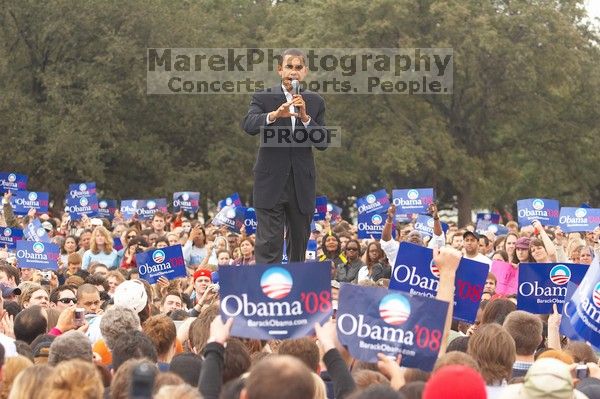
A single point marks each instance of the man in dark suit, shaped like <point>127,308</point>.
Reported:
<point>284,176</point>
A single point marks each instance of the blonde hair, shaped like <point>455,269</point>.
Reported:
<point>108,241</point>
<point>117,275</point>
<point>320,389</point>
<point>28,382</point>
<point>27,291</point>
<point>75,379</point>
<point>183,391</point>
<point>12,368</point>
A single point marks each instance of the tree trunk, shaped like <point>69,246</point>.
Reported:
<point>465,203</point>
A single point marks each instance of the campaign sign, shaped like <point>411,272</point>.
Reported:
<point>143,209</point>
<point>507,277</point>
<point>424,225</point>
<point>165,262</point>
<point>23,201</point>
<point>107,208</point>
<point>544,210</point>
<point>565,322</point>
<point>275,301</point>
<point>80,190</point>
<point>231,217</point>
<point>284,257</point>
<point>416,273</point>
<point>403,217</point>
<point>188,201</point>
<point>320,208</point>
<point>371,320</point>
<point>584,306</point>
<point>250,221</point>
<point>413,200</point>
<point>117,244</point>
<point>334,210</point>
<point>498,229</point>
<point>35,232</point>
<point>81,200</point>
<point>12,182</point>
<point>544,284</point>
<point>311,250</point>
<point>371,224</point>
<point>232,200</point>
<point>574,220</point>
<point>485,220</point>
<point>377,202</point>
<point>9,236</point>
<point>37,255</point>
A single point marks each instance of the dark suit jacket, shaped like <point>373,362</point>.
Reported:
<point>273,164</point>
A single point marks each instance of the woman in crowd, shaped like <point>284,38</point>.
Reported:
<point>247,253</point>
<point>194,250</point>
<point>376,267</point>
<point>586,254</point>
<point>136,244</point>
<point>500,255</point>
<point>332,250</point>
<point>101,249</point>
<point>509,244</point>
<point>69,246</point>
<point>128,234</point>
<point>348,272</point>
<point>522,254</point>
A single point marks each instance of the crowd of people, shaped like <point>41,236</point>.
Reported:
<point>167,339</point>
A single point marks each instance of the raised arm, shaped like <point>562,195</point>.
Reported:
<point>447,260</point>
<point>548,244</point>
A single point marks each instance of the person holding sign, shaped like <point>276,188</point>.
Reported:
<point>391,246</point>
<point>284,176</point>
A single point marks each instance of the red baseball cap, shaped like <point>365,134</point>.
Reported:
<point>202,273</point>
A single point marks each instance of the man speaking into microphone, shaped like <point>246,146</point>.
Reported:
<point>284,175</point>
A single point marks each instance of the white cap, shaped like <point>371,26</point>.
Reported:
<point>96,222</point>
<point>131,294</point>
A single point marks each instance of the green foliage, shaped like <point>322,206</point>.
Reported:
<point>522,119</point>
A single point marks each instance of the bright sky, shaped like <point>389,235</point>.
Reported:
<point>593,9</point>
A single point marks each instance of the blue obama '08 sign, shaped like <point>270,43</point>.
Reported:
<point>81,200</point>
<point>320,208</point>
<point>542,209</point>
<point>543,284</point>
<point>574,220</point>
<point>9,236</point>
<point>583,309</point>
<point>37,255</point>
<point>278,301</point>
<point>23,201</point>
<point>416,273</point>
<point>372,320</point>
<point>376,202</point>
<point>35,232</point>
<point>12,182</point>
<point>371,225</point>
<point>166,262</point>
<point>186,201</point>
<point>413,200</point>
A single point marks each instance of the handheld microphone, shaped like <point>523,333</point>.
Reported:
<point>296,86</point>
<point>295,90</point>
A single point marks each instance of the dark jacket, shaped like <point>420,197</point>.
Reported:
<point>274,164</point>
<point>348,273</point>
